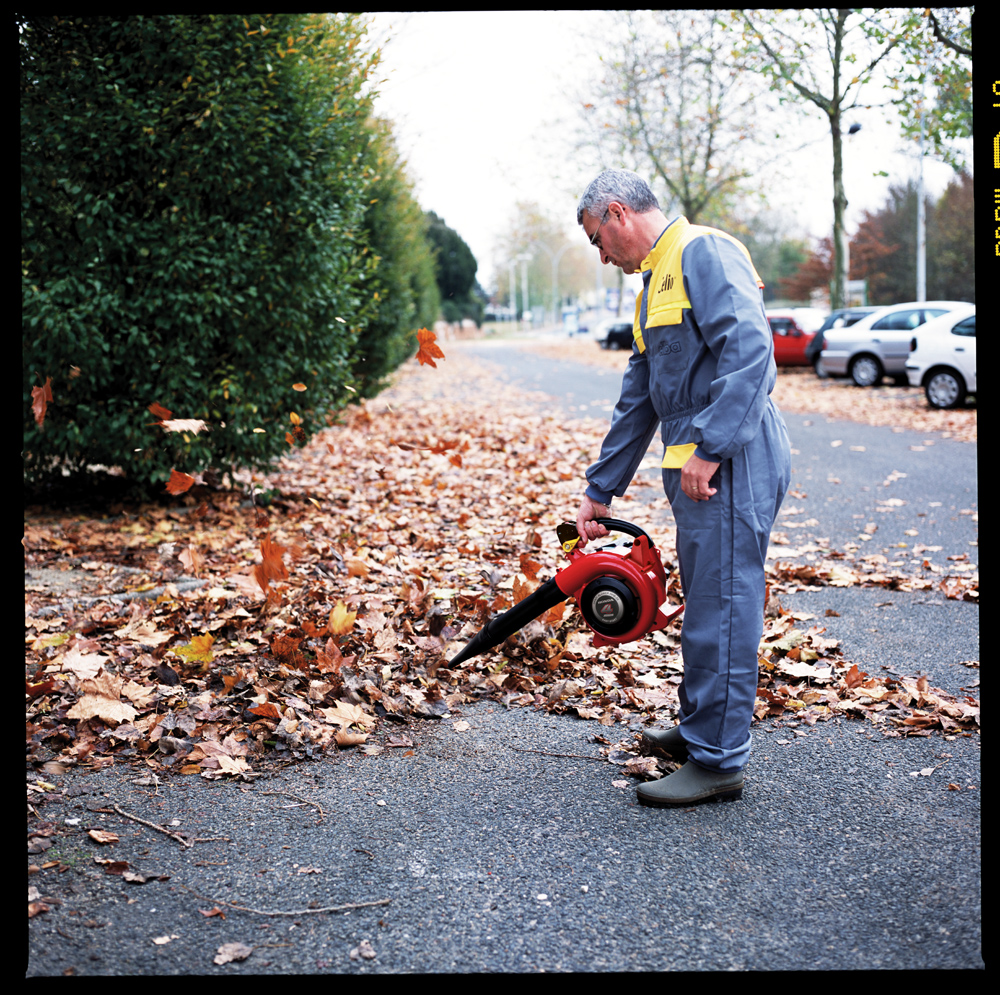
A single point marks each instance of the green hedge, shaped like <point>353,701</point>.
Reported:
<point>194,195</point>
<point>405,293</point>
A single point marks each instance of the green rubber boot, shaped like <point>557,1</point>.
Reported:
<point>668,741</point>
<point>691,785</point>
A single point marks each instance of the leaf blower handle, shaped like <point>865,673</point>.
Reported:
<point>619,525</point>
<point>569,535</point>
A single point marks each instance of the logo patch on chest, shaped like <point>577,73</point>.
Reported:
<point>666,347</point>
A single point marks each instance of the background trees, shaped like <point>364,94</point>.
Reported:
<point>883,251</point>
<point>556,266</point>
<point>455,269</point>
<point>920,58</point>
<point>200,229</point>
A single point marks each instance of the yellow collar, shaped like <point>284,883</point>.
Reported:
<point>673,231</point>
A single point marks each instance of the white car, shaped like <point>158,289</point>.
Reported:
<point>943,358</point>
<point>879,344</point>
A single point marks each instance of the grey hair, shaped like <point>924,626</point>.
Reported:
<point>616,184</point>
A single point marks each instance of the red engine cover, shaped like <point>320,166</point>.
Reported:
<point>641,569</point>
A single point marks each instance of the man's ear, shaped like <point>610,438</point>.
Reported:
<point>618,211</point>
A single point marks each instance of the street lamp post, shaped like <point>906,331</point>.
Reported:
<point>921,215</point>
<point>525,300</point>
<point>556,296</point>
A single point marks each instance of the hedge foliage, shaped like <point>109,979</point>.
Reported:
<point>206,220</point>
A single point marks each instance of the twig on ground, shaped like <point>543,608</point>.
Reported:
<point>153,825</point>
<point>298,798</point>
<point>572,756</point>
<point>298,912</point>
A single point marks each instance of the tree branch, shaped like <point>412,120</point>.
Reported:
<point>944,39</point>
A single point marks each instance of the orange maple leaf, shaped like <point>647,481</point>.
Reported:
<point>40,397</point>
<point>286,649</point>
<point>273,565</point>
<point>179,482</point>
<point>529,567</point>
<point>522,590</point>
<point>555,614</point>
<point>157,410</point>
<point>429,349</point>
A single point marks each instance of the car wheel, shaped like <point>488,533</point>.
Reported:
<point>945,389</point>
<point>820,369</point>
<point>866,371</point>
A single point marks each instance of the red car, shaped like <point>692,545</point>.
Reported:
<point>790,339</point>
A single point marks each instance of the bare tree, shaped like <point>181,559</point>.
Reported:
<point>823,57</point>
<point>670,104</point>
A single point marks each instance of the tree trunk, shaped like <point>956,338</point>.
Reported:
<point>837,291</point>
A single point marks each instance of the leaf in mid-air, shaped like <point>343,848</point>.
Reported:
<point>40,397</point>
<point>179,482</point>
<point>429,349</point>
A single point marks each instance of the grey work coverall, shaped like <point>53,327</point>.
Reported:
<point>703,369</point>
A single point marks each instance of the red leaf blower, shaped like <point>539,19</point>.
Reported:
<point>618,596</point>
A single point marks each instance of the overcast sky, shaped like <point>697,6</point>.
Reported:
<point>479,97</point>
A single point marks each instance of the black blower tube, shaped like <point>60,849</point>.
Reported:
<point>498,629</point>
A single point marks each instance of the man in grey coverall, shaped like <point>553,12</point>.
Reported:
<point>702,369</point>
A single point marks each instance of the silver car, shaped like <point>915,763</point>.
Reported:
<point>879,344</point>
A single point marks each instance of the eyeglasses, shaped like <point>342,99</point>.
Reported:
<point>599,227</point>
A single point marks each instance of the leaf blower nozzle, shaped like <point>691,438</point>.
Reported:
<point>620,597</point>
<point>498,629</point>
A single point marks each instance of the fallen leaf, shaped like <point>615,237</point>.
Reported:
<point>102,837</point>
<point>345,738</point>
<point>232,951</point>
<point>84,665</point>
<point>102,699</point>
<point>345,714</point>
<point>340,620</point>
<point>199,650</point>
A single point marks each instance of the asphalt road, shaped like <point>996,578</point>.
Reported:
<point>841,854</point>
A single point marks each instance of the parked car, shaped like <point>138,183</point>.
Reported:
<point>841,318</point>
<point>879,344</point>
<point>943,358</point>
<point>790,339</point>
<point>615,335</point>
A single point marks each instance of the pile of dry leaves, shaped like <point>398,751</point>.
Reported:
<point>326,619</point>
